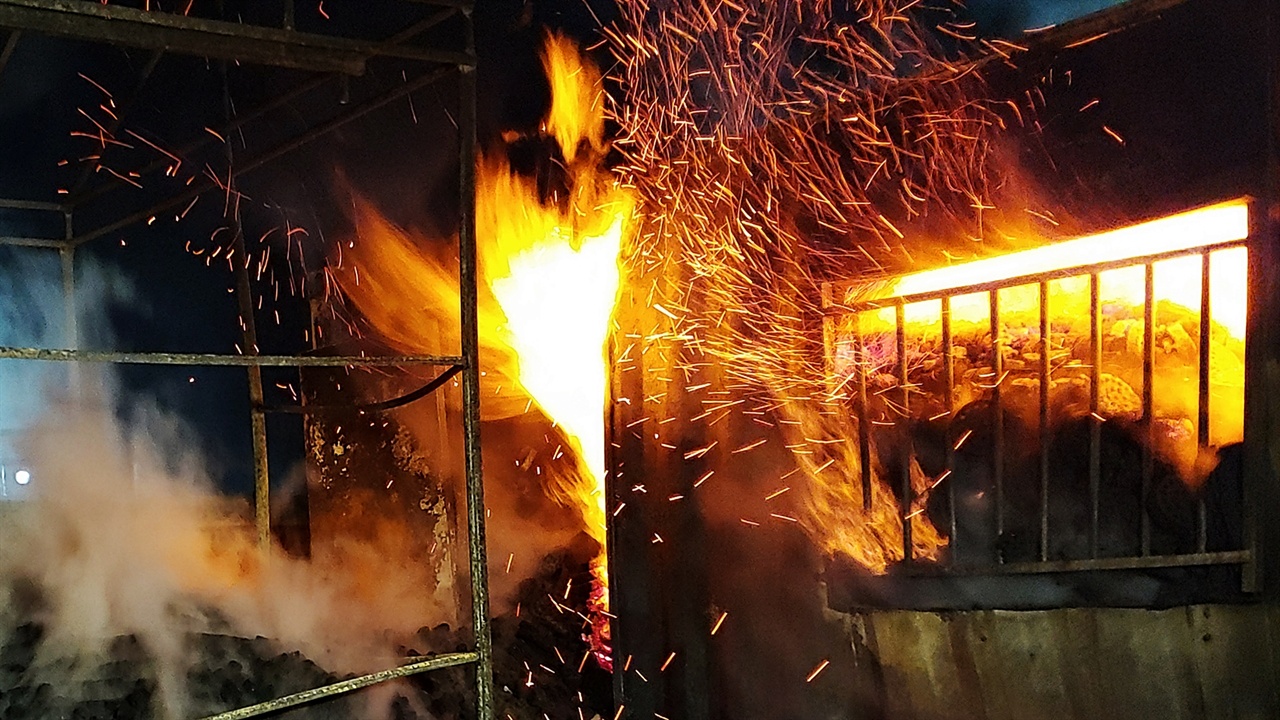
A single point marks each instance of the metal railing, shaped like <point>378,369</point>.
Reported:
<point>859,301</point>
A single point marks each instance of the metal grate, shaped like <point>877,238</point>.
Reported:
<point>871,346</point>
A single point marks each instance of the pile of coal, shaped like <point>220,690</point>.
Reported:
<point>225,673</point>
<point>541,667</point>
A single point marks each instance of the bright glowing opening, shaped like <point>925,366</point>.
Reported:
<point>1222,223</point>
<point>22,477</point>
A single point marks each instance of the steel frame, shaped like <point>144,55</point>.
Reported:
<point>1246,556</point>
<point>336,58</point>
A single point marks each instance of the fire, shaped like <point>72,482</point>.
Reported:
<point>550,274</point>
<point>1187,231</point>
<point>1181,240</point>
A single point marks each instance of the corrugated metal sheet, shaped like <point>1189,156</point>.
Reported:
<point>1201,662</point>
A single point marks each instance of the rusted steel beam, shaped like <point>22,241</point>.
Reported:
<point>132,27</point>
<point>217,360</point>
<point>468,291</point>
<point>308,697</point>
<point>31,242</point>
<point>1233,557</point>
<point>12,204</point>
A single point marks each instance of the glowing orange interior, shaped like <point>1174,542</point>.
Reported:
<point>1181,240</point>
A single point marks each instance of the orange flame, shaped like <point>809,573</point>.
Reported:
<point>550,278</point>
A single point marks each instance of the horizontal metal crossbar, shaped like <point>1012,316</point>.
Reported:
<point>307,697</point>
<point>837,309</point>
<point>207,38</point>
<point>222,360</point>
<point>30,242</point>
<point>12,204</point>
<point>1233,557</point>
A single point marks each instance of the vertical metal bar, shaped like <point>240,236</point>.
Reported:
<point>71,328</point>
<point>997,416</point>
<point>10,44</point>
<point>1095,419</point>
<point>904,429</point>
<point>249,338</point>
<point>467,278</point>
<point>67,254</point>
<point>1044,420</point>
<point>258,417</point>
<point>949,380</point>
<point>288,19</point>
<point>864,419</point>
<point>1202,399</point>
<point>1148,418</point>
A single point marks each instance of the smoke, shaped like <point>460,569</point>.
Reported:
<point>120,532</point>
<point>125,536</point>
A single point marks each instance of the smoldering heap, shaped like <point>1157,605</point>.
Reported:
<point>130,590</point>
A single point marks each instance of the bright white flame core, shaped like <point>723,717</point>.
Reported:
<point>558,301</point>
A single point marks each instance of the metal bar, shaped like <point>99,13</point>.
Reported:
<point>468,290</point>
<point>864,419</point>
<point>307,697</point>
<point>381,406</point>
<point>28,242</point>
<point>257,417</point>
<point>117,119</point>
<point>881,303</point>
<point>10,44</point>
<point>904,431</point>
<point>270,155</point>
<point>1148,419</point>
<point>12,204</point>
<point>67,259</point>
<point>1202,397</point>
<point>1045,432</point>
<point>217,360</point>
<point>71,330</point>
<point>249,337</point>
<point>1234,557</point>
<point>288,16</point>
<point>949,378</point>
<point>997,416</point>
<point>1095,419</point>
<point>121,25</point>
